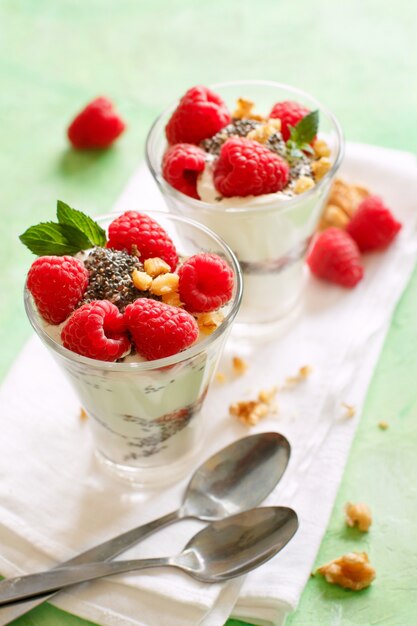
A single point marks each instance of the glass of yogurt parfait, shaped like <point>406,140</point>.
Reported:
<point>269,231</point>
<point>144,411</point>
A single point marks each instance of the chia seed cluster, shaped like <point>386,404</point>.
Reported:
<point>110,277</point>
<point>238,128</point>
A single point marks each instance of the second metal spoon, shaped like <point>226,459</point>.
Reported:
<point>234,479</point>
<point>223,550</point>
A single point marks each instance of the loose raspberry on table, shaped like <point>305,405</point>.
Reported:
<point>200,114</point>
<point>205,283</point>
<point>181,165</point>
<point>373,226</point>
<point>159,330</point>
<point>97,330</point>
<point>246,168</point>
<point>335,257</point>
<point>57,284</point>
<point>137,229</point>
<point>290,113</point>
<point>96,126</point>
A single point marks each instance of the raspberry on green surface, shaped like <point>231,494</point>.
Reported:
<point>57,284</point>
<point>335,257</point>
<point>97,330</point>
<point>373,226</point>
<point>205,283</point>
<point>96,126</point>
<point>200,114</point>
<point>247,168</point>
<point>159,330</point>
<point>139,230</point>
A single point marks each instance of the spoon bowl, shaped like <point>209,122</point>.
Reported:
<point>237,478</point>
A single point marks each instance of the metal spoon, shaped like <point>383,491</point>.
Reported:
<point>234,479</point>
<point>224,549</point>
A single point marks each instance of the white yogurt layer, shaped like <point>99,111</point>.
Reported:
<point>143,419</point>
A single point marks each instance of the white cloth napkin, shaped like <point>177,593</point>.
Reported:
<point>55,501</point>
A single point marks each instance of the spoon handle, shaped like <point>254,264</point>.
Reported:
<point>22,587</point>
<point>107,550</point>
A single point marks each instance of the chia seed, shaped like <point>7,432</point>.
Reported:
<point>300,167</point>
<point>276,144</point>
<point>110,277</point>
<point>238,128</point>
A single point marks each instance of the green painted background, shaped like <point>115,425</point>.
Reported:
<point>360,58</point>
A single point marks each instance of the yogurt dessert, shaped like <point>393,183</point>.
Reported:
<point>254,162</point>
<point>137,317</point>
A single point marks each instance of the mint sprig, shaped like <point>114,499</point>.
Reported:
<point>302,134</point>
<point>74,232</point>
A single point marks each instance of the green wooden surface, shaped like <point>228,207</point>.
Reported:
<point>358,57</point>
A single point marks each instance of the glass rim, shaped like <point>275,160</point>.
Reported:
<point>144,366</point>
<point>199,205</point>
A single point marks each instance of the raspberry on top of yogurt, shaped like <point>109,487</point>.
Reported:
<point>129,293</point>
<point>242,154</point>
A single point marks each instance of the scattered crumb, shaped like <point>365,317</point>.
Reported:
<point>220,377</point>
<point>350,571</point>
<point>250,412</point>
<point>83,414</point>
<point>350,409</point>
<point>303,373</point>
<point>239,365</point>
<point>358,515</point>
<point>383,425</point>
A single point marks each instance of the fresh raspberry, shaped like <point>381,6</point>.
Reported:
<point>97,330</point>
<point>181,165</point>
<point>140,230</point>
<point>373,226</point>
<point>335,257</point>
<point>158,329</point>
<point>290,113</point>
<point>57,284</point>
<point>96,126</point>
<point>200,114</point>
<point>247,168</point>
<point>205,283</point>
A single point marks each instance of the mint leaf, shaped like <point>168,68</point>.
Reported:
<point>66,215</point>
<point>302,133</point>
<point>58,239</point>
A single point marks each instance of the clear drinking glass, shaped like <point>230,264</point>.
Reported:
<point>145,416</point>
<point>270,240</point>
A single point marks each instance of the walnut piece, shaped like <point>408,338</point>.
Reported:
<point>303,373</point>
<point>346,197</point>
<point>244,111</point>
<point>141,280</point>
<point>164,283</point>
<point>350,571</point>
<point>350,410</point>
<point>239,365</point>
<point>172,298</point>
<point>302,184</point>
<point>321,149</point>
<point>263,132</point>
<point>156,266</point>
<point>358,515</point>
<point>250,412</point>
<point>208,322</point>
<point>83,414</point>
<point>320,167</point>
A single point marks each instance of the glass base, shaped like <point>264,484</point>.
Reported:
<point>150,477</point>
